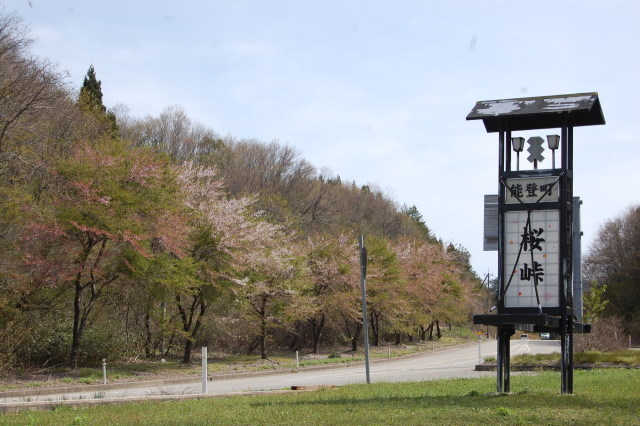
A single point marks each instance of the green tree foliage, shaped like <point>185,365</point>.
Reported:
<point>461,256</point>
<point>417,219</point>
<point>270,288</point>
<point>593,302</point>
<point>90,95</point>
<point>438,285</point>
<point>224,240</point>
<point>90,101</point>
<point>385,296</point>
<point>97,223</point>
<point>332,277</point>
<point>614,261</point>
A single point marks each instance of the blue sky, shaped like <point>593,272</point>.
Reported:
<point>376,91</point>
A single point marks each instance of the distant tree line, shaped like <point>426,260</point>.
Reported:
<point>612,266</point>
<point>125,237</point>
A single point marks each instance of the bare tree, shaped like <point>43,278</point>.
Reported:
<point>172,132</point>
<point>29,87</point>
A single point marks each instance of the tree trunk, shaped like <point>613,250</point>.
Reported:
<point>316,329</point>
<point>188,349</point>
<point>398,338</point>
<point>263,329</point>
<point>294,344</point>
<point>147,329</point>
<point>78,317</point>
<point>193,332</point>
<point>253,345</point>
<point>78,328</point>
<point>170,344</point>
<point>161,343</point>
<point>186,325</point>
<point>263,340</point>
<point>438,334</point>
<point>430,330</point>
<point>80,320</point>
<point>356,336</point>
<point>375,327</point>
<point>423,333</point>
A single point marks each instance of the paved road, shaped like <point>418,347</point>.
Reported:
<point>457,361</point>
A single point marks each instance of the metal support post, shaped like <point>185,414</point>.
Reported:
<point>499,363</point>
<point>570,355</point>
<point>504,359</point>
<point>563,357</point>
<point>363,286</point>
<point>507,359</point>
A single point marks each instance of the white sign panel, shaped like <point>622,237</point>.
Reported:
<point>532,190</point>
<point>532,258</point>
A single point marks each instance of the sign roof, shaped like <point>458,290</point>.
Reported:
<point>545,112</point>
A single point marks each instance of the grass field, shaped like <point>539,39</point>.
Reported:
<point>601,397</point>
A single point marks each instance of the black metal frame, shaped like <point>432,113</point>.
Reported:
<point>503,208</point>
<point>528,114</point>
<point>556,319</point>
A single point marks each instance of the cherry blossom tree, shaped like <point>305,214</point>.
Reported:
<point>422,265</point>
<point>229,243</point>
<point>269,290</point>
<point>96,222</point>
<point>385,298</point>
<point>332,278</point>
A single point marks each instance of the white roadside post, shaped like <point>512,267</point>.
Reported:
<point>104,371</point>
<point>479,347</point>
<point>204,370</point>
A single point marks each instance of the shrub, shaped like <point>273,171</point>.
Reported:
<point>50,342</point>
<point>607,334</point>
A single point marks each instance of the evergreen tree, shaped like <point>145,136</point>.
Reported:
<point>91,92</point>
<point>90,101</point>
<point>417,218</point>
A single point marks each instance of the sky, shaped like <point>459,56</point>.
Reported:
<point>375,91</point>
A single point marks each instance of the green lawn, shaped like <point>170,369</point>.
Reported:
<point>601,397</point>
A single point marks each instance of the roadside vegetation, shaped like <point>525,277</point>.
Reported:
<point>623,358</point>
<point>147,238</point>
<point>601,397</point>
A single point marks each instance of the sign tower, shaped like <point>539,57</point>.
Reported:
<point>535,221</point>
